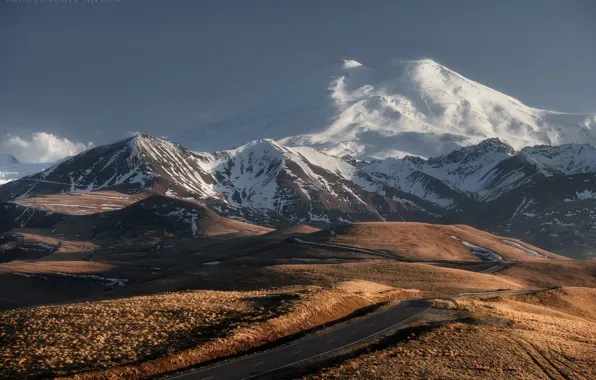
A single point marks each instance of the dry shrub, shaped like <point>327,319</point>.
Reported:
<point>143,336</point>
<point>544,335</point>
<point>445,305</point>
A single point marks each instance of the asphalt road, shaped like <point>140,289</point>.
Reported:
<point>348,335</point>
<point>334,340</point>
<point>497,267</point>
<point>302,350</point>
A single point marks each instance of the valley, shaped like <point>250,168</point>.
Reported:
<point>176,297</point>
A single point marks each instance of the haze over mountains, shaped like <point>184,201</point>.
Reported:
<point>311,167</point>
<point>414,107</point>
<point>11,168</point>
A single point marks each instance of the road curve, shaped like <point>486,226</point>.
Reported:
<point>302,350</point>
<point>502,265</point>
<point>334,340</point>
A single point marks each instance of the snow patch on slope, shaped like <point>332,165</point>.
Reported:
<point>527,250</point>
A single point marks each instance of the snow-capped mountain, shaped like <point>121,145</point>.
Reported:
<point>412,107</point>
<point>489,185</point>
<point>11,168</point>
<point>262,181</point>
<point>265,175</point>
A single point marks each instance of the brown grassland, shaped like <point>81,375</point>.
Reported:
<point>194,301</point>
<point>551,334</point>
<point>168,331</point>
<point>421,241</point>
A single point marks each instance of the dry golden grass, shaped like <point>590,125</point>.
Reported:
<point>299,229</point>
<point>444,304</point>
<point>428,278</point>
<point>420,241</point>
<point>363,286</point>
<point>167,331</point>
<point>576,301</point>
<point>546,335</point>
<point>48,267</point>
<point>495,243</point>
<point>138,337</point>
<point>544,274</point>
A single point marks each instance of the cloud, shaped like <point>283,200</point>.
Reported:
<point>42,147</point>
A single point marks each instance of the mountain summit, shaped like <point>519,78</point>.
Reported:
<point>416,107</point>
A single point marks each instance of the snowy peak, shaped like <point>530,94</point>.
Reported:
<point>107,166</point>
<point>262,146</point>
<point>414,107</point>
<point>268,183</point>
<point>258,173</point>
<point>568,158</point>
<point>489,147</point>
<point>494,145</point>
<point>347,63</point>
<point>439,83</point>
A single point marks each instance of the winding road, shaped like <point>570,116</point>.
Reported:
<point>334,340</point>
<point>302,350</point>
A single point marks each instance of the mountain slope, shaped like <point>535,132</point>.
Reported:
<point>262,182</point>
<point>155,215</point>
<point>542,194</point>
<point>413,107</point>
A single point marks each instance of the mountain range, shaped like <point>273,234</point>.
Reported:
<point>544,194</point>
<point>411,142</point>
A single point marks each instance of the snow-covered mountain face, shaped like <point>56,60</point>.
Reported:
<point>489,185</point>
<point>413,107</point>
<point>262,182</point>
<point>11,168</point>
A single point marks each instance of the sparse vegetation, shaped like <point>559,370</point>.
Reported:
<point>545,335</point>
<point>269,290</point>
<point>421,241</point>
<point>175,329</point>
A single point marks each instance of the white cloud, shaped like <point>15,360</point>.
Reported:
<point>42,147</point>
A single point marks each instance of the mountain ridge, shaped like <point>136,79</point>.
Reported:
<point>489,185</point>
<point>412,142</point>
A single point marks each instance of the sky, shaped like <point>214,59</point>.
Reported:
<point>74,75</point>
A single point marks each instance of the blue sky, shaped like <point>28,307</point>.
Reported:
<point>92,72</point>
